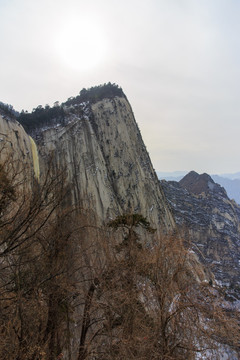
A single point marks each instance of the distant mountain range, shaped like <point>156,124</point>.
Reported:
<point>231,176</point>
<point>231,182</point>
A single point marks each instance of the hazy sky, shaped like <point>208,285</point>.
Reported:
<point>176,60</point>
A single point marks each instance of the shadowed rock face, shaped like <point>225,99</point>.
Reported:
<point>108,166</point>
<point>198,184</point>
<point>213,221</point>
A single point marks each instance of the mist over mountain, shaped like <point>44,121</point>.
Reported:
<point>231,185</point>
<point>172,175</point>
<point>231,176</point>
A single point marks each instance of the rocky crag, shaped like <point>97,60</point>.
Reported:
<point>213,220</point>
<point>107,163</point>
<point>99,144</point>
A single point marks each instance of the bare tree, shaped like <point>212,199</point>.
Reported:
<point>35,287</point>
<point>151,303</point>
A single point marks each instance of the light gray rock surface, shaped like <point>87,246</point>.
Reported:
<point>108,166</point>
<point>17,150</point>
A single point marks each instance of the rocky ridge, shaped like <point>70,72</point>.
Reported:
<point>213,220</point>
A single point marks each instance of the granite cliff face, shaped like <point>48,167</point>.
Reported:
<point>213,220</point>
<point>100,146</point>
<point>107,163</point>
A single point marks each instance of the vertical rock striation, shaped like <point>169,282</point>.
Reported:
<point>108,166</point>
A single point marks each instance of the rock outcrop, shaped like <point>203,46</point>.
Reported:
<point>107,163</point>
<point>213,220</point>
<point>17,150</point>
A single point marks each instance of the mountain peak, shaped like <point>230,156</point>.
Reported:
<point>197,183</point>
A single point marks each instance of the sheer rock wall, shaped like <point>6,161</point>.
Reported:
<point>107,163</point>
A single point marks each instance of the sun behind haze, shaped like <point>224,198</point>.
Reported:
<point>177,61</point>
<point>81,43</point>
